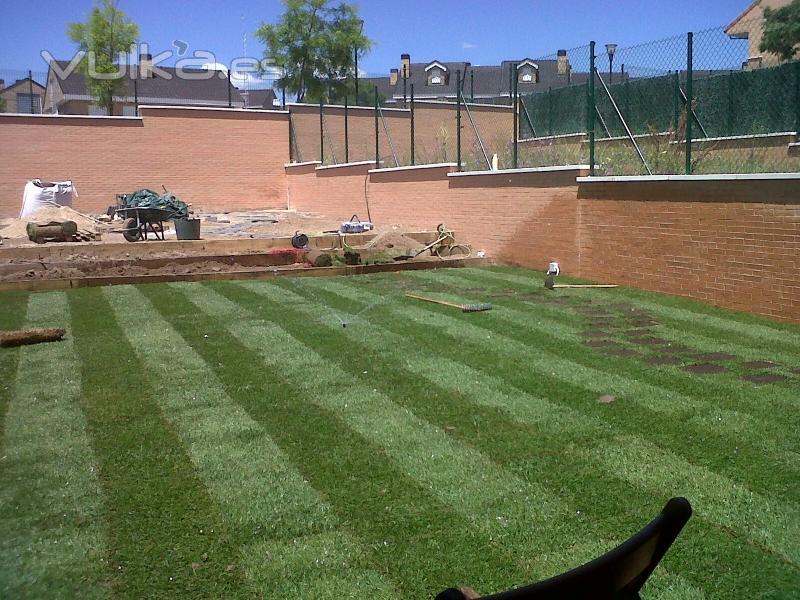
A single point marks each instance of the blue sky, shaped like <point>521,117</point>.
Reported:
<point>482,32</point>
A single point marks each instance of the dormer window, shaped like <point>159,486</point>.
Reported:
<point>527,72</point>
<point>437,73</point>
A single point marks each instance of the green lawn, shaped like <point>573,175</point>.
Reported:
<point>234,439</point>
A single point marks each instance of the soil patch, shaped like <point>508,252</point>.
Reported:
<point>624,352</point>
<point>713,356</point>
<point>639,333</point>
<point>651,341</point>
<point>763,378</point>
<point>601,344</point>
<point>662,360</point>
<point>759,364</point>
<point>705,368</point>
<point>596,333</point>
<point>675,349</point>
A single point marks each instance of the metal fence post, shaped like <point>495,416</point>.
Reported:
<point>458,118</point>
<point>321,136</point>
<point>472,86</point>
<point>676,93</point>
<point>590,109</point>
<point>549,111</point>
<point>291,138</point>
<point>355,60</point>
<point>136,94</point>
<point>30,90</point>
<point>729,115</point>
<point>230,98</point>
<point>405,83</point>
<point>346,134</point>
<point>689,98</point>
<point>377,142</point>
<point>413,155</point>
<point>510,82</point>
<point>515,119</point>
<point>797,97</point>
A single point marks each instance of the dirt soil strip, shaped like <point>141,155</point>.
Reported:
<point>60,284</point>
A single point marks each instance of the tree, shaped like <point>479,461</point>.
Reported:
<point>105,34</point>
<point>313,42</point>
<point>782,30</point>
<point>2,105</point>
<point>347,90</point>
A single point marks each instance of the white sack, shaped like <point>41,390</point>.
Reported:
<point>37,194</point>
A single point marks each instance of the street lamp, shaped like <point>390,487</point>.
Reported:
<point>610,50</point>
<point>355,54</point>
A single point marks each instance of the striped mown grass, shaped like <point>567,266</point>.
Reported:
<point>328,438</point>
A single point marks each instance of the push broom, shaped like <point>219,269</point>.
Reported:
<point>463,307</point>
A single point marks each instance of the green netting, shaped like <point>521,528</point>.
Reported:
<point>727,103</point>
<point>145,198</point>
<point>555,112</point>
<point>762,100</point>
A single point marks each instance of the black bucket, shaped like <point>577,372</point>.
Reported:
<point>187,229</point>
<point>299,240</point>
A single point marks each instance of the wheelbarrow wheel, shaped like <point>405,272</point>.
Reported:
<point>131,230</point>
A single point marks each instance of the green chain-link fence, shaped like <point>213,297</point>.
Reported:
<point>693,103</point>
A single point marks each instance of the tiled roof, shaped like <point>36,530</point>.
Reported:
<point>212,88</point>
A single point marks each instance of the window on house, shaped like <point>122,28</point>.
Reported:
<point>528,75</point>
<point>29,103</point>
<point>435,77</point>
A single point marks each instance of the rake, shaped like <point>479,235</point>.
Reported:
<point>464,307</point>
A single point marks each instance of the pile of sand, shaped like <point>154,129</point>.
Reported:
<point>396,240</point>
<point>15,228</point>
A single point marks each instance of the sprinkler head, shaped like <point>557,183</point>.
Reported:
<point>344,325</point>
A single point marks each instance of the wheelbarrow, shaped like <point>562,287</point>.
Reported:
<point>137,221</point>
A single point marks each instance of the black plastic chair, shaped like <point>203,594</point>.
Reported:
<point>619,574</point>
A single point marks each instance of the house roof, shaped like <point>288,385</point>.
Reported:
<point>169,89</point>
<point>486,81</point>
<point>385,87</point>
<point>742,15</point>
<point>259,98</point>
<point>24,83</point>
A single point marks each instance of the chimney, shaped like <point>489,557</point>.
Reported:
<point>146,66</point>
<point>562,62</point>
<point>405,63</point>
<point>393,77</point>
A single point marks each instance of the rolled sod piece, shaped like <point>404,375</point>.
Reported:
<point>21,337</point>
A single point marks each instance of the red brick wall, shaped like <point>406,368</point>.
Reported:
<point>521,218</point>
<point>337,192</point>
<point>730,243</point>
<point>213,159</point>
<point>733,243</point>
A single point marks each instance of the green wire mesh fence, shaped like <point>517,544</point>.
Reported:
<point>708,102</point>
